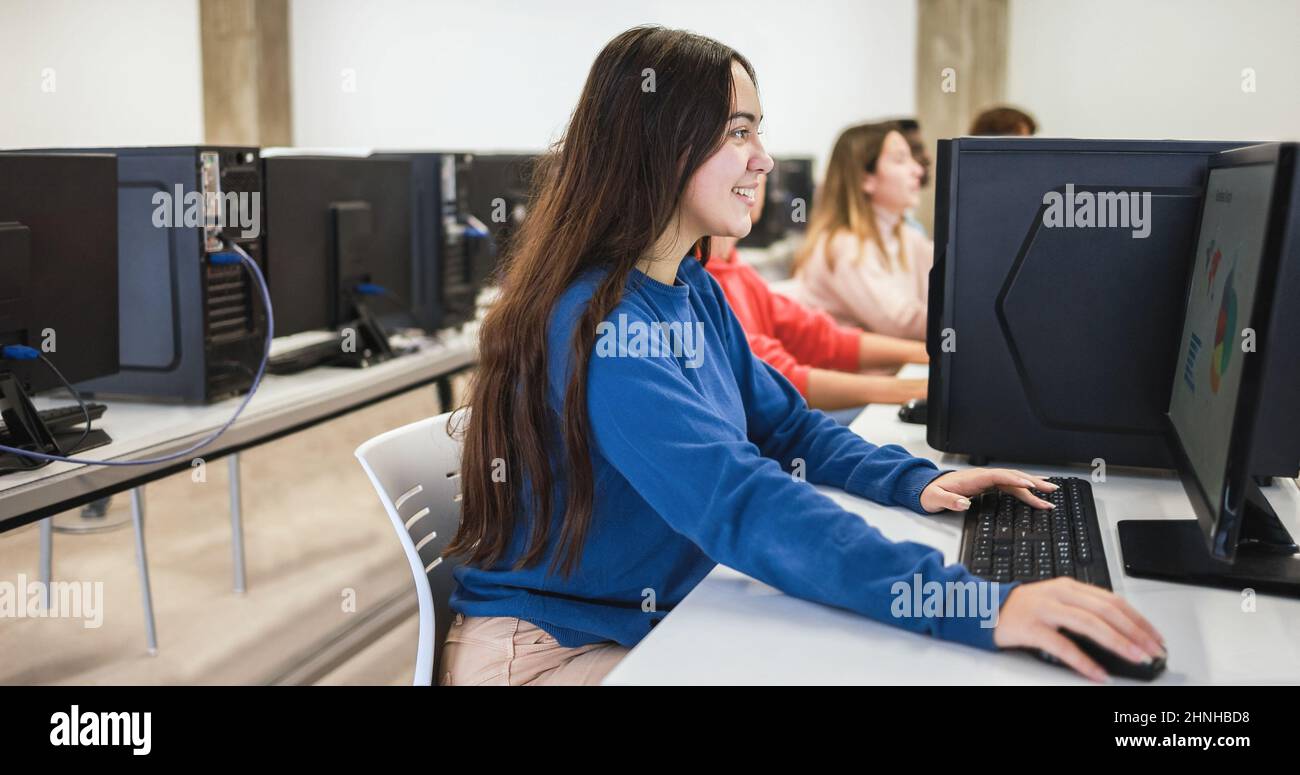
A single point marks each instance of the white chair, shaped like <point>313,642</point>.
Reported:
<point>416,471</point>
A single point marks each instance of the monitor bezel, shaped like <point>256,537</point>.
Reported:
<point>1220,515</point>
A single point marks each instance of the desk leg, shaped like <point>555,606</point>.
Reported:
<point>236,524</point>
<point>142,563</point>
<point>47,559</point>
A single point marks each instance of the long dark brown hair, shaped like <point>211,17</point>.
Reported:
<point>655,106</point>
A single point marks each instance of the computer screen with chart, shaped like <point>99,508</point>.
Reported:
<point>1238,323</point>
<point>1216,333</point>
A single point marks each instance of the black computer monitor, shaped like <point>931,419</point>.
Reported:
<point>58,265</point>
<point>787,202</point>
<point>58,291</point>
<point>334,224</point>
<point>1235,319</point>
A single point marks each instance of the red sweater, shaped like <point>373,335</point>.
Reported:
<point>787,335</point>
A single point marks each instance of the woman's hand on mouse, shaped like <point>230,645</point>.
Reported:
<point>1033,613</point>
<point>953,490</point>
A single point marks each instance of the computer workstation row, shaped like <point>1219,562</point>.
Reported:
<point>133,272</point>
<point>1115,304</point>
<point>141,278</point>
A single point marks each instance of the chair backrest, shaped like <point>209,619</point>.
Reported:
<point>416,471</point>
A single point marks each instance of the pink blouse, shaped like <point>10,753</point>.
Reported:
<point>861,290</point>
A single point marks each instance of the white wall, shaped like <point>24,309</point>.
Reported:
<point>505,75</point>
<point>86,72</point>
<point>1157,68</point>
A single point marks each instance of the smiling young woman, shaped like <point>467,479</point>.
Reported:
<point>629,475</point>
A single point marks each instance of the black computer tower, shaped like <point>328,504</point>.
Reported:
<point>189,330</point>
<point>447,252</point>
<point>1053,345</point>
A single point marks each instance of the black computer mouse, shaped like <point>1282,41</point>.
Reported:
<point>1111,662</point>
<point>913,411</point>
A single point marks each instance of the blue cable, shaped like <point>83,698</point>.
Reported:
<point>222,259</point>
<point>18,352</point>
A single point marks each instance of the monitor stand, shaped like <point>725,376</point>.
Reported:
<point>373,346</point>
<point>24,429</point>
<point>1175,550</point>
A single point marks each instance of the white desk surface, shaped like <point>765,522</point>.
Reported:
<point>282,403</point>
<point>732,629</point>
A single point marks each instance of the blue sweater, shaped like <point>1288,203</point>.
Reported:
<point>693,450</point>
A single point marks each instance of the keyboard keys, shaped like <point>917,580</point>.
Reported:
<point>1004,539</point>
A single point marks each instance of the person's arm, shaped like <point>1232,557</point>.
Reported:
<point>811,335</point>
<point>877,350</point>
<point>708,479</point>
<point>831,390</point>
<point>814,338</point>
<point>712,482</point>
<point>772,352</point>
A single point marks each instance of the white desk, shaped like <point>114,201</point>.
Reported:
<point>732,629</point>
<point>283,404</point>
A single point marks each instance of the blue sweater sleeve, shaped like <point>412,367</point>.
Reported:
<point>712,484</point>
<point>786,430</point>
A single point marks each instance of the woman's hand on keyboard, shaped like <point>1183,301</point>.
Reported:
<point>953,491</point>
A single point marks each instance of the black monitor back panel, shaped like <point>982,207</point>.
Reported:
<point>1276,451</point>
<point>58,264</point>
<point>499,187</point>
<point>787,204</point>
<point>304,198</point>
<point>1058,344</point>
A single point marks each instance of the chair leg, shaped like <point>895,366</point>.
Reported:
<point>47,559</point>
<point>142,563</point>
<point>236,525</point>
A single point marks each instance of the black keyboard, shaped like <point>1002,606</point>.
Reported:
<point>63,417</point>
<point>303,358</point>
<point>1005,539</point>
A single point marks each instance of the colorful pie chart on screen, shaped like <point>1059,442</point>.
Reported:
<point>1223,333</point>
<point>1212,258</point>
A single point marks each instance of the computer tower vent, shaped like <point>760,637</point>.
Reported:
<point>229,306</point>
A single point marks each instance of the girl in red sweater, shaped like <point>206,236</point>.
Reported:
<point>820,357</point>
